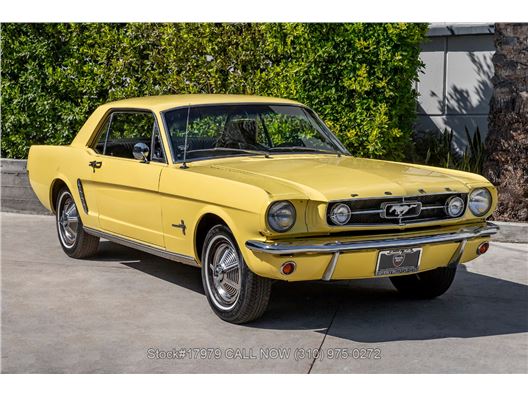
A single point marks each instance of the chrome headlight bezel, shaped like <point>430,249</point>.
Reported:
<point>480,201</point>
<point>335,208</point>
<point>450,203</point>
<point>272,216</point>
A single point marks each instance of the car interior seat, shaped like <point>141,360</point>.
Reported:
<point>240,134</point>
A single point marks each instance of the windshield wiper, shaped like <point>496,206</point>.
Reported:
<point>221,149</point>
<point>300,148</point>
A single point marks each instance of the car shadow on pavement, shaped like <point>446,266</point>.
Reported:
<point>369,310</point>
<point>372,311</point>
<point>180,274</point>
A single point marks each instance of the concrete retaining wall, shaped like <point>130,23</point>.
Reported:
<point>511,232</point>
<point>16,193</point>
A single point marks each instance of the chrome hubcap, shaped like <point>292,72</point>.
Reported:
<point>223,273</point>
<point>68,220</point>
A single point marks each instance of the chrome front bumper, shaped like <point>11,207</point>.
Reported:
<point>290,248</point>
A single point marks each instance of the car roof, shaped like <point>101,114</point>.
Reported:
<point>165,102</point>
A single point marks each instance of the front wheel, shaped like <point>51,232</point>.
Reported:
<point>426,285</point>
<point>235,294</point>
<point>75,242</point>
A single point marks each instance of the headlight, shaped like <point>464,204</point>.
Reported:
<point>454,206</point>
<point>281,216</point>
<point>479,201</point>
<point>340,214</point>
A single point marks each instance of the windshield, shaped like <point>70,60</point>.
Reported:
<point>249,129</point>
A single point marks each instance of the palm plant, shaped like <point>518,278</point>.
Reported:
<point>438,150</point>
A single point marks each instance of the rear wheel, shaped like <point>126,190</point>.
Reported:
<point>235,294</point>
<point>428,284</point>
<point>75,242</point>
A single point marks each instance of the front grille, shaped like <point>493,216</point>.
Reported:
<point>374,211</point>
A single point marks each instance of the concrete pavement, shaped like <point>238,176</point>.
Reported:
<point>126,311</point>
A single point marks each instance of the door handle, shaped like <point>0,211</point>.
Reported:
<point>95,165</point>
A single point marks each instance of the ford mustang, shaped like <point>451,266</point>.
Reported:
<point>254,189</point>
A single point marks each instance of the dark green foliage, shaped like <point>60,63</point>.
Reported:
<point>475,153</point>
<point>358,77</point>
<point>437,149</point>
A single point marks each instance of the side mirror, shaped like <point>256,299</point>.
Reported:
<point>141,152</point>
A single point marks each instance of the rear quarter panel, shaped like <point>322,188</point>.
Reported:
<point>48,165</point>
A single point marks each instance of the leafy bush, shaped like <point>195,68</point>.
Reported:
<point>358,77</point>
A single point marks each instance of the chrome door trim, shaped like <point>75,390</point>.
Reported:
<point>143,247</point>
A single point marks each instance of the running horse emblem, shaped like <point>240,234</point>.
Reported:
<point>400,210</point>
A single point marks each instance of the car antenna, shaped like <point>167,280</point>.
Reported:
<point>184,164</point>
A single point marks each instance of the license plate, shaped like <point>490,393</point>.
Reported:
<point>398,261</point>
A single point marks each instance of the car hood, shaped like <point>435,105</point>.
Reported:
<point>325,178</point>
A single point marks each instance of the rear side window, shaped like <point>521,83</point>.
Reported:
<point>123,130</point>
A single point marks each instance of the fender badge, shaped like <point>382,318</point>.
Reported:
<point>181,225</point>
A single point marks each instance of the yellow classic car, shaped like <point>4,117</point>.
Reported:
<point>255,189</point>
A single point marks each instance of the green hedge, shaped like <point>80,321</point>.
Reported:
<point>358,77</point>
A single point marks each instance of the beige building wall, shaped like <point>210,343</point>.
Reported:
<point>455,87</point>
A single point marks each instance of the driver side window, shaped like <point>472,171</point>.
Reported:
<point>124,129</point>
